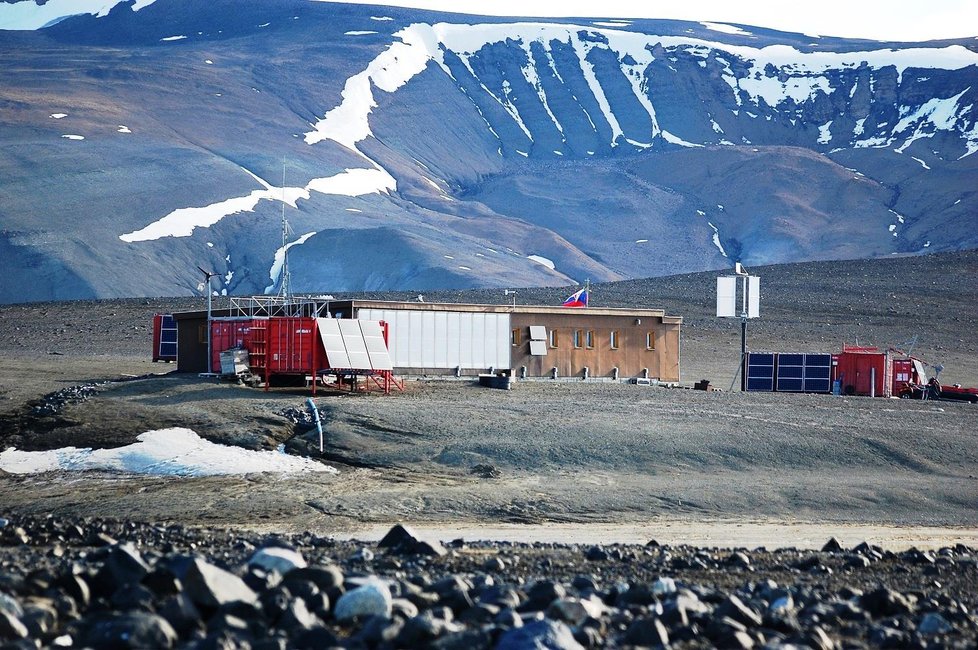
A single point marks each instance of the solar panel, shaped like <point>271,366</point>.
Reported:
<point>760,371</point>
<point>818,373</point>
<point>329,332</point>
<point>804,373</point>
<point>356,348</point>
<point>168,336</point>
<point>373,338</point>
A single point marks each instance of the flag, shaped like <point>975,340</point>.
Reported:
<point>578,299</point>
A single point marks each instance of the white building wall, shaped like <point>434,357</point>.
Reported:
<point>445,340</point>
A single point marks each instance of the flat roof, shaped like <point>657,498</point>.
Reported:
<point>353,304</point>
<point>510,309</point>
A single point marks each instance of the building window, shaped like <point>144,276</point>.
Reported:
<point>589,339</point>
<point>650,341</point>
<point>553,338</point>
<point>515,338</point>
<point>578,338</point>
<point>202,333</point>
<point>614,339</point>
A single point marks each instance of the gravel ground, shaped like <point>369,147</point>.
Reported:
<point>107,584</point>
<point>555,456</point>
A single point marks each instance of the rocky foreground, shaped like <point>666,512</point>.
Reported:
<point>109,584</point>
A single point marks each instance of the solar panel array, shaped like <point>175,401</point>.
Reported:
<point>168,337</point>
<point>354,344</point>
<point>789,372</point>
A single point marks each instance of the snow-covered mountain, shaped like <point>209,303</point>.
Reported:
<point>416,150</point>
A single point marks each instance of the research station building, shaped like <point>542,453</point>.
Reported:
<point>448,339</point>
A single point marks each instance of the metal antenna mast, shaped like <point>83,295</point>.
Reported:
<point>284,288</point>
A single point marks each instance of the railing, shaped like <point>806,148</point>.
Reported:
<point>266,306</point>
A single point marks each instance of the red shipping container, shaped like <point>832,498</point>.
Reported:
<point>227,333</point>
<point>864,371</point>
<point>292,345</point>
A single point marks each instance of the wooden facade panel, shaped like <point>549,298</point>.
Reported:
<point>577,340</point>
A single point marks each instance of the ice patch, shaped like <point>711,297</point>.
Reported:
<point>641,241</point>
<point>354,210</point>
<point>448,257</point>
<point>381,18</point>
<point>165,452</point>
<point>922,163</point>
<point>465,268</point>
<point>59,116</point>
<point>123,129</point>
<point>208,62</point>
<point>169,39</point>
<point>359,33</point>
<point>71,136</point>
<point>542,260</point>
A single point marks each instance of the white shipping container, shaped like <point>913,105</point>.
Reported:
<point>445,340</point>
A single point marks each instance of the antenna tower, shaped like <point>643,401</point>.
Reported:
<point>284,289</point>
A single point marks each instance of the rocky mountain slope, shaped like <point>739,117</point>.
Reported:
<point>418,150</point>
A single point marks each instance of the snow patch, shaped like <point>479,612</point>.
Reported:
<point>29,15</point>
<point>824,135</point>
<point>164,452</point>
<point>359,33</point>
<point>71,136</point>
<point>169,39</point>
<point>123,129</point>
<point>673,139</point>
<point>922,163</point>
<point>542,260</point>
<point>716,239</point>
<point>641,241</point>
<point>726,29</point>
<point>208,62</point>
<point>182,222</point>
<point>381,18</point>
<point>275,272</point>
<point>59,116</point>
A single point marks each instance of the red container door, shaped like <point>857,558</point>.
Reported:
<point>902,374</point>
<point>290,345</point>
<point>157,335</point>
<point>857,371</point>
<point>227,334</point>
